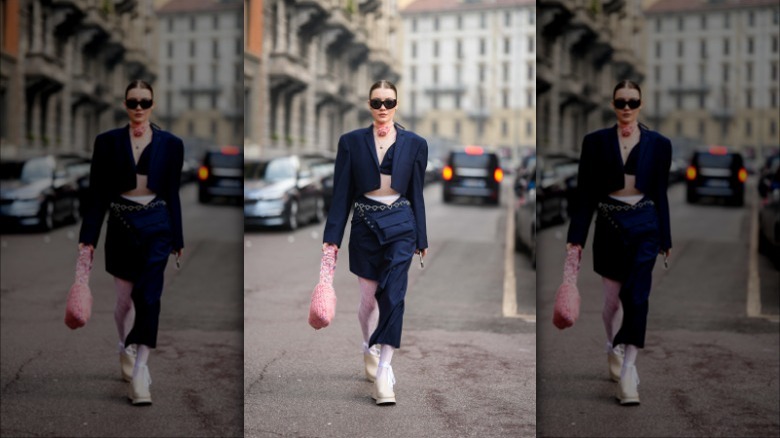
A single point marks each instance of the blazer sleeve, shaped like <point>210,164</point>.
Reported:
<point>663,200</point>
<point>342,196</point>
<point>415,194</point>
<point>98,196</point>
<point>174,201</point>
<point>585,199</point>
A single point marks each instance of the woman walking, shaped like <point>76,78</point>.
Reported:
<point>623,174</point>
<point>135,176</point>
<point>380,172</point>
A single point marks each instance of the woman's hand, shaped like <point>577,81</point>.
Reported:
<point>178,252</point>
<point>91,247</point>
<point>326,245</point>
<point>573,245</point>
<point>667,253</point>
<point>424,252</point>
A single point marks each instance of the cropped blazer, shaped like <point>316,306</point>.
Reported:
<point>113,172</point>
<point>601,172</point>
<point>357,172</point>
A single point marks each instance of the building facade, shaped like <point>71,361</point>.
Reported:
<point>201,60</point>
<point>585,48</point>
<point>64,67</point>
<point>469,73</point>
<point>312,71</point>
<point>714,71</point>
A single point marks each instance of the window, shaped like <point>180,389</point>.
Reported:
<point>457,103</point>
<point>192,48</point>
<point>170,24</point>
<point>482,46</point>
<point>414,50</point>
<point>678,128</point>
<point>435,73</point>
<point>749,71</point>
<point>460,22</point>
<point>529,98</point>
<point>678,101</point>
<point>726,46</point>
<point>214,73</point>
<point>414,25</point>
<point>213,105</point>
<point>680,23</point>
<point>702,74</point>
<point>701,128</point>
<point>191,102</point>
<point>657,74</point>
<point>748,128</point>
<point>680,49</point>
<point>750,45</point>
<point>505,99</point>
<point>190,128</point>
<point>458,75</point>
<point>483,20</point>
<point>192,73</point>
<point>749,99</point>
<point>726,20</point>
<point>169,73</point>
<point>703,22</point>
<point>215,22</point>
<point>239,46</point>
<point>702,100</point>
<point>529,128</point>
<point>192,24</point>
<point>459,49</point>
<point>435,127</point>
<point>457,127</point>
<point>531,72</point>
<point>774,71</point>
<point>751,18</point>
<point>413,73</point>
<point>435,49</point>
<point>215,49</point>
<point>481,72</point>
<point>504,128</point>
<point>436,23</point>
<point>658,25</point>
<point>725,72</point>
<point>531,44</point>
<point>773,128</point>
<point>679,73</point>
<point>657,96</point>
<point>703,48</point>
<point>531,17</point>
<point>507,46</point>
<point>657,49</point>
<point>170,49</point>
<point>774,44</point>
<point>508,19</point>
<point>506,72</point>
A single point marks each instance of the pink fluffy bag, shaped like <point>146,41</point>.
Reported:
<point>567,299</point>
<point>323,299</point>
<point>79,305</point>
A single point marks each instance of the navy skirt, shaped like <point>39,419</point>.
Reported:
<point>381,247</point>
<point>625,247</point>
<point>139,241</point>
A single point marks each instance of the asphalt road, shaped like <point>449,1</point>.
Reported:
<point>463,369</point>
<point>58,382</point>
<point>707,368</point>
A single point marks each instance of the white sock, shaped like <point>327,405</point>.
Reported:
<point>141,358</point>
<point>629,359</point>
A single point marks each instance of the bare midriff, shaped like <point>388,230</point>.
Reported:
<point>140,187</point>
<point>629,187</point>
<point>384,187</point>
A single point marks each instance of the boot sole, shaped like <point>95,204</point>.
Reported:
<point>628,401</point>
<point>141,402</point>
<point>385,401</point>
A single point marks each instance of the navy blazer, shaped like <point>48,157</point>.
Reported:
<point>601,173</point>
<point>357,172</point>
<point>113,172</point>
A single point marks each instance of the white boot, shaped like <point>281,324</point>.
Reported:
<point>371,359</point>
<point>383,387</point>
<point>138,391</point>
<point>627,392</point>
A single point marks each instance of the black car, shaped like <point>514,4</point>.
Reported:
<point>716,173</point>
<point>40,191</point>
<point>283,192</point>
<point>769,216</point>
<point>323,167</point>
<point>525,213</point>
<point>221,174</point>
<point>472,173</point>
<point>556,187</point>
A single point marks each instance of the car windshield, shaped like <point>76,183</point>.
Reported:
<point>466,160</point>
<point>37,169</point>
<point>275,170</point>
<point>710,160</point>
<point>10,170</point>
<point>250,169</point>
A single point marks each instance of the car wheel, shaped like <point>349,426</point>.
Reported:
<point>47,216</point>
<point>319,210</point>
<point>203,197</point>
<point>75,210</point>
<point>292,216</point>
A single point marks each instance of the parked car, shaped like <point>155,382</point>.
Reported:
<point>526,214</point>
<point>39,192</point>
<point>766,174</point>
<point>717,173</point>
<point>78,166</point>
<point>282,191</point>
<point>221,174</point>
<point>323,166</point>
<point>769,219</point>
<point>474,173</point>
<point>556,187</point>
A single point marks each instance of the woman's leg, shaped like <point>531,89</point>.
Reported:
<point>124,312</point>
<point>141,359</point>
<point>612,314</point>
<point>368,312</point>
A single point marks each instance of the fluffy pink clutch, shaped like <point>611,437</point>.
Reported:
<point>79,306</point>
<point>323,299</point>
<point>567,299</point>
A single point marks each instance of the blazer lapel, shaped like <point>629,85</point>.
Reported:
<point>614,147</point>
<point>369,137</point>
<point>399,153</point>
<point>126,149</point>
<point>643,164</point>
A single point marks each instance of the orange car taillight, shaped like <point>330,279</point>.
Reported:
<point>203,173</point>
<point>446,173</point>
<point>498,175</point>
<point>690,173</point>
<point>742,175</point>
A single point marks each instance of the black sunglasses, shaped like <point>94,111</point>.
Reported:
<point>377,103</point>
<point>134,103</point>
<point>632,103</point>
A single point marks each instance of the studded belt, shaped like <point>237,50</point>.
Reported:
<point>372,207</point>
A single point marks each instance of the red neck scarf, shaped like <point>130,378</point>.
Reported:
<point>383,130</point>
<point>627,130</point>
<point>139,130</point>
